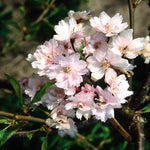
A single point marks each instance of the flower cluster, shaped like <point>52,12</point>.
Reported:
<point>81,64</point>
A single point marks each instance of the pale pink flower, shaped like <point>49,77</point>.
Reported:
<point>107,102</point>
<point>66,47</point>
<point>87,88</point>
<point>43,57</point>
<point>83,102</point>
<point>104,59</point>
<point>125,45</point>
<point>63,124</point>
<point>97,41</point>
<point>109,26</point>
<point>146,50</point>
<point>69,30</point>
<point>34,84</point>
<point>118,85</point>
<point>53,97</point>
<point>79,15</point>
<point>23,83</point>
<point>60,109</point>
<point>68,71</point>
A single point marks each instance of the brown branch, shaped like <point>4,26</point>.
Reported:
<point>22,117</point>
<point>40,18</point>
<point>120,129</point>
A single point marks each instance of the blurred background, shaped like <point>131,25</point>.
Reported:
<point>25,24</point>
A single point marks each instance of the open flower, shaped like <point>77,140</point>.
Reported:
<point>118,85</point>
<point>104,59</point>
<point>109,26</point>
<point>68,71</point>
<point>146,50</point>
<point>107,102</point>
<point>125,45</point>
<point>79,15</point>
<point>83,102</point>
<point>69,30</point>
<point>96,42</point>
<point>43,57</point>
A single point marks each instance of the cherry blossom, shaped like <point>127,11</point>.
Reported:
<point>118,85</point>
<point>109,26</point>
<point>73,57</point>
<point>83,102</point>
<point>68,71</point>
<point>146,50</point>
<point>79,15</point>
<point>104,59</point>
<point>107,102</point>
<point>97,41</point>
<point>43,57</point>
<point>69,30</point>
<point>64,124</point>
<point>125,45</point>
<point>34,84</point>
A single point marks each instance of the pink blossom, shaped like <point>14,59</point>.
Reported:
<point>118,85</point>
<point>79,15</point>
<point>87,88</point>
<point>43,57</point>
<point>109,26</point>
<point>63,124</point>
<point>107,102</point>
<point>68,71</point>
<point>125,45</point>
<point>34,84</point>
<point>53,97</point>
<point>104,59</point>
<point>83,102</point>
<point>60,109</point>
<point>97,41</point>
<point>69,30</point>
<point>146,50</point>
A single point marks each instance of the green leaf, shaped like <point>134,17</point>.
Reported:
<point>44,144</point>
<point>6,46</point>
<point>41,92</point>
<point>96,127</point>
<point>16,87</point>
<point>5,121</point>
<point>52,13</point>
<point>80,49</point>
<point>31,133</point>
<point>7,132</point>
<point>22,11</point>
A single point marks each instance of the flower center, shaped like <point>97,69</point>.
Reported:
<point>66,69</point>
<point>97,45</point>
<point>107,27</point>
<point>105,64</point>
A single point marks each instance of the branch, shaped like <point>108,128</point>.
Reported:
<point>21,117</point>
<point>43,13</point>
<point>120,129</point>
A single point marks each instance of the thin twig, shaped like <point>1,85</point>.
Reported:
<point>43,13</point>
<point>120,129</point>
<point>22,117</point>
